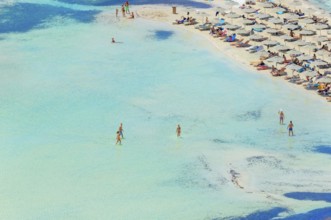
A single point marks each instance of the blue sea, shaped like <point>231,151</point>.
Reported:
<point>65,88</point>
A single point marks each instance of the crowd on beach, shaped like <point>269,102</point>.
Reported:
<point>285,42</point>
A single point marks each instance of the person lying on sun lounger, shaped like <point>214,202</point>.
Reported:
<point>277,72</point>
<point>180,21</point>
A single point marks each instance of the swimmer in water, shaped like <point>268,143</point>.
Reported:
<point>290,129</point>
<point>113,40</point>
<point>118,138</point>
<point>281,116</point>
<point>178,130</point>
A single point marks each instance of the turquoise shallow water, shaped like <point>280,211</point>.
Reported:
<point>65,88</point>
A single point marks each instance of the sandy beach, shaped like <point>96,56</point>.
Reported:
<point>163,13</point>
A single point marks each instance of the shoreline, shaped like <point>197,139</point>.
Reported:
<point>163,13</point>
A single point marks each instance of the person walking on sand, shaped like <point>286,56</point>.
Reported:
<point>178,130</point>
<point>281,116</point>
<point>290,129</point>
<point>118,138</point>
<point>120,130</point>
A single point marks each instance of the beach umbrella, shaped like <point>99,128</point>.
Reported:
<point>306,32</point>
<point>249,10</point>
<point>258,26</point>
<point>304,57</point>
<point>293,67</point>
<point>287,38</point>
<point>233,15</point>
<point>256,37</point>
<point>321,38</point>
<point>324,80</point>
<point>319,63</point>
<point>270,43</point>
<point>243,32</point>
<point>272,31</point>
<point>262,16</point>
<point>231,4</point>
<point>295,4</point>
<point>301,43</point>
<point>232,27</point>
<point>294,53</point>
<point>278,10</point>
<point>262,53</point>
<point>248,22</point>
<point>291,16</point>
<point>276,21</point>
<point>281,48</point>
<point>310,11</point>
<point>308,73</point>
<point>276,59</point>
<point>322,53</point>
<point>310,47</point>
<point>267,5</point>
<point>306,21</point>
<point>320,26</point>
<point>292,27</point>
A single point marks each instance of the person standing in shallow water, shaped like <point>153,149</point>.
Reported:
<point>178,130</point>
<point>123,10</point>
<point>281,117</point>
<point>118,138</point>
<point>290,129</point>
<point>116,12</point>
<point>120,130</point>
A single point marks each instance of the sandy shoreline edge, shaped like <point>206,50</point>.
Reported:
<point>163,13</point>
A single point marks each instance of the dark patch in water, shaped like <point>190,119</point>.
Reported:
<point>249,115</point>
<point>138,2</point>
<point>316,214</point>
<point>309,196</point>
<point>219,141</point>
<point>259,215</point>
<point>23,17</point>
<point>324,149</point>
<point>160,35</point>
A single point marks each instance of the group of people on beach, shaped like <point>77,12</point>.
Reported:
<point>125,9</point>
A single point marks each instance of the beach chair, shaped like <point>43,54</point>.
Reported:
<point>264,67</point>
<point>280,72</point>
<point>244,44</point>
<point>259,48</point>
<point>237,42</point>
<point>192,21</point>
<point>205,27</point>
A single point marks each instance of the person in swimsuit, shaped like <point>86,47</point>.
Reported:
<point>290,129</point>
<point>178,130</point>
<point>116,12</point>
<point>113,40</point>
<point>118,138</point>
<point>120,130</point>
<point>281,117</point>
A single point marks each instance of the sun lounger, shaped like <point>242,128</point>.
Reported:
<point>263,67</point>
<point>259,48</point>
<point>191,22</point>
<point>244,44</point>
<point>280,72</point>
